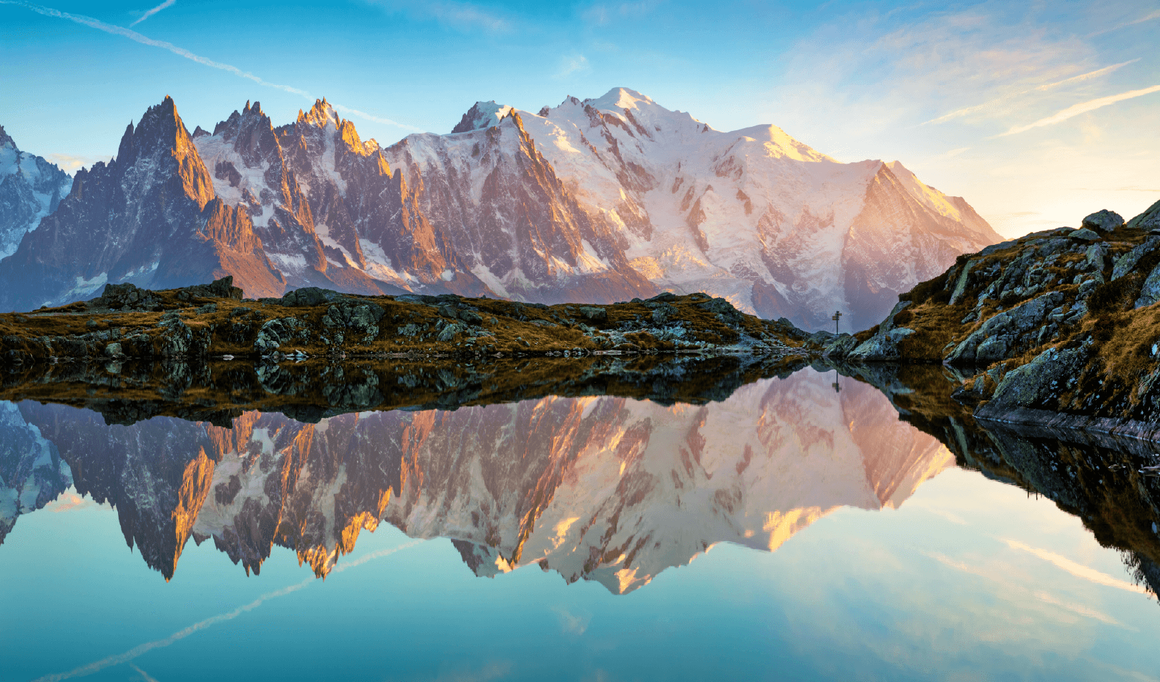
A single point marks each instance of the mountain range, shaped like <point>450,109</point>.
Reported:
<point>599,200</point>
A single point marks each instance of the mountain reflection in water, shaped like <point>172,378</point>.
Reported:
<point>602,488</point>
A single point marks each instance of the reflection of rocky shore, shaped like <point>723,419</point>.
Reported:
<point>1102,479</point>
<point>220,391</point>
<point>595,487</point>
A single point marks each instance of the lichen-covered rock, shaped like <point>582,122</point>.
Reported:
<point>277,332</point>
<point>126,297</point>
<point>309,296</point>
<point>997,336</point>
<point>1084,234</point>
<point>840,346</point>
<point>1127,262</point>
<point>594,313</point>
<point>1150,292</point>
<point>177,339</point>
<point>221,288</point>
<point>881,347</point>
<point>1038,384</point>
<point>1103,221</point>
<point>662,314</point>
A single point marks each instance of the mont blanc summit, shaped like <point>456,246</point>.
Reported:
<point>595,200</point>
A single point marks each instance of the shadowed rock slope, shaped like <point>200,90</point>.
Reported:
<point>1059,327</point>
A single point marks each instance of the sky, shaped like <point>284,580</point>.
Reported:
<point>1038,113</point>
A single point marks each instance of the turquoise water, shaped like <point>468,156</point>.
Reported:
<point>967,579</point>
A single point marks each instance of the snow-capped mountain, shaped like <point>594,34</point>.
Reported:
<point>30,188</point>
<point>754,215</point>
<point>596,488</point>
<point>597,200</point>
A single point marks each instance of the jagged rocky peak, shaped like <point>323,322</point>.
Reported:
<point>6,140</point>
<point>482,115</point>
<point>321,114</point>
<point>251,134</point>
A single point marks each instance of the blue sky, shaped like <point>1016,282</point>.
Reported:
<point>1036,112</point>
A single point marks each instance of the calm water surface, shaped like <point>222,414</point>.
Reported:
<point>790,532</point>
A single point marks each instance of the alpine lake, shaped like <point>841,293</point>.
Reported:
<point>610,518</point>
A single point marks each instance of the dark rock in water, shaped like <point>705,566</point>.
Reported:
<point>1103,221</point>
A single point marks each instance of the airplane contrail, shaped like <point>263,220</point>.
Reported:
<point>155,10</point>
<point>141,649</point>
<point>182,52</point>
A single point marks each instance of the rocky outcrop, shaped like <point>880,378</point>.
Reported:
<point>1057,327</point>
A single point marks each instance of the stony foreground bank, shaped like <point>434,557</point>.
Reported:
<point>214,321</point>
<point>1059,328</point>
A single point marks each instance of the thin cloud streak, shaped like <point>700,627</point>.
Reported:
<point>1151,17</point>
<point>137,651</point>
<point>987,105</point>
<point>1082,108</point>
<point>182,52</point>
<point>146,676</point>
<point>1045,597</point>
<point>155,10</point>
<point>1075,568</point>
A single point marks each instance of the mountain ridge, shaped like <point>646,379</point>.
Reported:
<point>597,201</point>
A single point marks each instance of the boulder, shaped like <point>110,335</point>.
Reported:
<point>1084,234</point>
<point>882,347</point>
<point>1103,221</point>
<point>1039,383</point>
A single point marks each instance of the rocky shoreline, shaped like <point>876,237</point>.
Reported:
<point>1058,328</point>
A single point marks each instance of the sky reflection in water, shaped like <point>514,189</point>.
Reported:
<point>968,579</point>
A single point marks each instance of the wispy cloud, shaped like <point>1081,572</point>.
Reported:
<point>572,64</point>
<point>155,10</point>
<point>1075,568</point>
<point>1082,108</point>
<point>1150,17</point>
<point>459,15</point>
<point>1043,596</point>
<point>570,622</point>
<point>182,52</point>
<point>604,13</point>
<point>1042,88</point>
<point>142,649</point>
